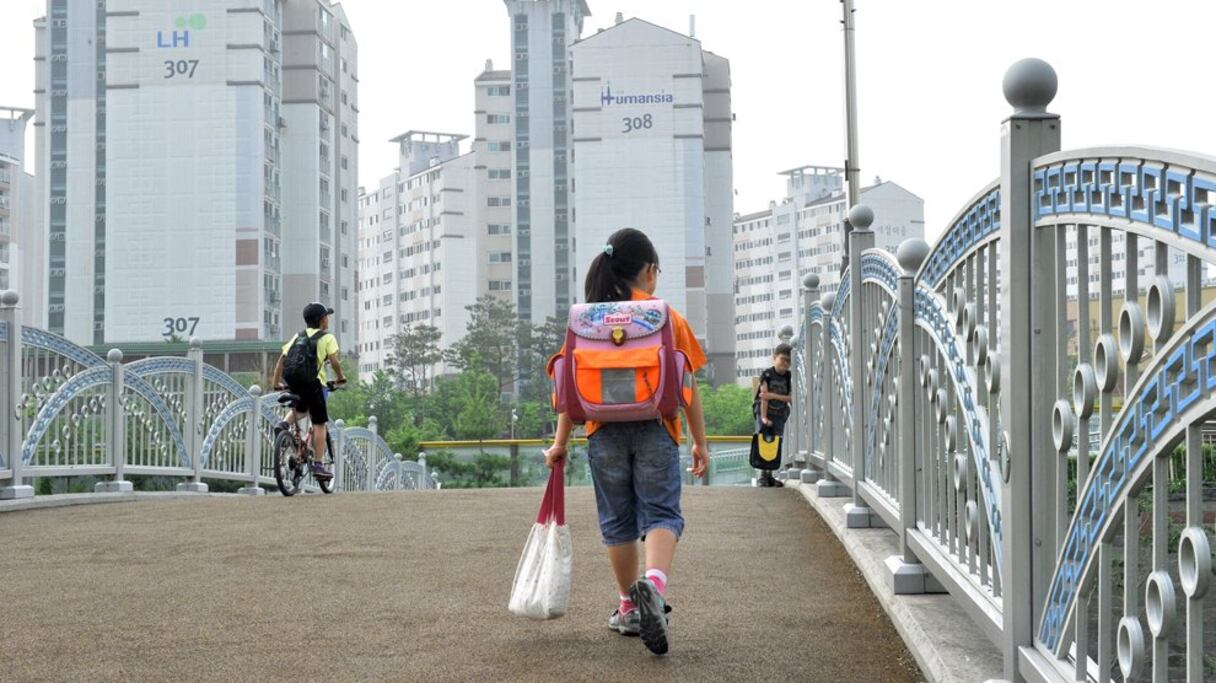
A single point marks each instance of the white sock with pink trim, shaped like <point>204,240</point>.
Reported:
<point>627,605</point>
<point>659,579</point>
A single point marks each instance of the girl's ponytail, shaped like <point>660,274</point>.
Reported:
<point>618,265</point>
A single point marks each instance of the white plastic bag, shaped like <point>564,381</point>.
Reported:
<point>542,579</point>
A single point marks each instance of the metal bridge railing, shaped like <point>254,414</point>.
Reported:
<point>1027,403</point>
<point>66,412</point>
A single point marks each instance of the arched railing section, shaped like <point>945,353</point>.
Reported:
<point>1132,240</point>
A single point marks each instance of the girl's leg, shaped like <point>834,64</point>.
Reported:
<point>660,550</point>
<point>624,560</point>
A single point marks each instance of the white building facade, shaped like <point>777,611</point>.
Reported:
<point>437,233</point>
<point>541,34</point>
<point>775,249</point>
<point>652,139</point>
<point>18,208</point>
<point>194,167</point>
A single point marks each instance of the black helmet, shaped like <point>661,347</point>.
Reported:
<point>315,312</point>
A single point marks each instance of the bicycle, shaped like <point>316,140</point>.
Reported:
<point>293,451</point>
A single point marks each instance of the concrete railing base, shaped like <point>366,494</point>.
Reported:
<point>911,578</point>
<point>252,491</point>
<point>16,492</point>
<point>832,489</point>
<point>120,486</point>
<point>193,487</point>
<point>811,476</point>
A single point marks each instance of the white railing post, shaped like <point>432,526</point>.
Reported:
<point>116,422</point>
<point>373,426</point>
<point>194,418</point>
<point>10,397</point>
<point>339,460</point>
<point>253,444</point>
<point>786,335</point>
<point>1027,336</point>
<point>422,464</point>
<point>908,575</point>
<point>857,514</point>
<point>810,289</point>
<point>829,486</point>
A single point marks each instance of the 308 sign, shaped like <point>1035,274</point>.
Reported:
<point>179,326</point>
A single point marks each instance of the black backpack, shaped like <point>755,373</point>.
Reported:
<point>300,366</point>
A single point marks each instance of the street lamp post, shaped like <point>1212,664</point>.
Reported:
<point>852,162</point>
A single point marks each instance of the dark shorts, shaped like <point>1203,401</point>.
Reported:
<point>312,401</point>
<point>635,467</point>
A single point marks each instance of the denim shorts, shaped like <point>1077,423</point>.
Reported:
<point>635,467</point>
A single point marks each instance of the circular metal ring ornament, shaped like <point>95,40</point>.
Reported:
<point>1106,363</point>
<point>1130,647</point>
<point>1084,390</point>
<point>924,371</point>
<point>1159,604</point>
<point>1131,332</point>
<point>1063,425</point>
<point>958,306</point>
<point>1161,309</point>
<point>941,402</point>
<point>971,519</point>
<point>1194,562</point>
<point>951,433</point>
<point>933,383</point>
<point>960,469</point>
<point>970,311</point>
<point>979,345</point>
<point>992,372</point>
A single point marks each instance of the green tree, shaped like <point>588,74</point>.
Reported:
<point>728,410</point>
<point>413,352</point>
<point>478,413</point>
<point>491,341</point>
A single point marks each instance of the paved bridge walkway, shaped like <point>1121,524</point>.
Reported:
<point>413,586</point>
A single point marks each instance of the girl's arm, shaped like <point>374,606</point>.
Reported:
<point>557,452</point>
<point>696,427</point>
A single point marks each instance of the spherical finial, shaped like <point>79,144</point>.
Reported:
<point>860,217</point>
<point>795,339</point>
<point>911,253</point>
<point>255,391</point>
<point>196,343</point>
<point>340,423</point>
<point>9,298</point>
<point>786,332</point>
<point>811,281</point>
<point>372,421</point>
<point>114,356</point>
<point>1030,85</point>
<point>827,300</point>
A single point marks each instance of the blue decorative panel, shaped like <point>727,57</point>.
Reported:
<point>977,223</point>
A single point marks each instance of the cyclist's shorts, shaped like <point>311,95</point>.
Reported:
<point>312,401</point>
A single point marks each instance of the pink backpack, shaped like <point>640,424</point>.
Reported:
<point>620,364</point>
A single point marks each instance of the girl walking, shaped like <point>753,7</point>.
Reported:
<point>635,466</point>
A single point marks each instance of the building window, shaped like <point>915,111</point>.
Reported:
<point>500,285</point>
<point>498,146</point>
<point>500,173</point>
<point>498,229</point>
<point>498,201</point>
<point>498,90</point>
<point>498,118</point>
<point>500,257</point>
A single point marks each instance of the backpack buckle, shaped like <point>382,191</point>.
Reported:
<point>618,336</point>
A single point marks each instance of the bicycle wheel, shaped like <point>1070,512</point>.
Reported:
<point>287,471</point>
<point>328,485</point>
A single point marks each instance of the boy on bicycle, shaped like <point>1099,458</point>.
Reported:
<point>302,365</point>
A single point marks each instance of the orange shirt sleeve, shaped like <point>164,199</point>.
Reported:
<point>687,342</point>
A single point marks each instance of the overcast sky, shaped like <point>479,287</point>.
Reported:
<point>929,77</point>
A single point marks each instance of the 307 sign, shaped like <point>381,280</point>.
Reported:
<point>179,326</point>
<point>181,67</point>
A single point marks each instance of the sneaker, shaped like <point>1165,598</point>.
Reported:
<point>628,625</point>
<point>653,609</point>
<point>319,471</point>
<point>776,483</point>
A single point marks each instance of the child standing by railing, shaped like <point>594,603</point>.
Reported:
<point>635,466</point>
